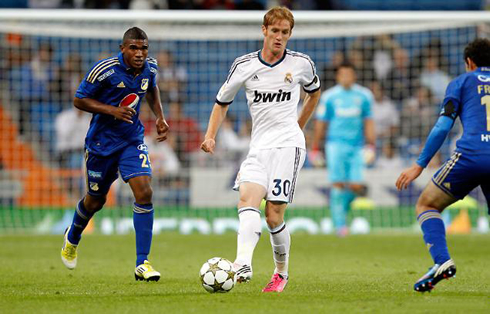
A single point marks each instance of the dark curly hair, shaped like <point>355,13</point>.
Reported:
<point>479,52</point>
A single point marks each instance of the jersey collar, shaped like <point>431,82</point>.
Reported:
<point>271,65</point>
<point>126,67</point>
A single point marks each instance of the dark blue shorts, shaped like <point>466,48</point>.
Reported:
<point>463,172</point>
<point>131,161</point>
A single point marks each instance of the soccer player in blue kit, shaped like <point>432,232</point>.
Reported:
<point>346,110</point>
<point>467,97</point>
<point>113,90</point>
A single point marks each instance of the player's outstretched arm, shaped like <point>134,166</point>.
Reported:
<point>434,141</point>
<point>91,105</point>
<point>309,105</point>
<point>217,116</point>
<point>407,176</point>
<point>153,98</point>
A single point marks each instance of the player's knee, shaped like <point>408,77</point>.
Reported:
<point>422,205</point>
<point>273,220</point>
<point>247,201</point>
<point>243,199</point>
<point>144,195</point>
<point>93,205</point>
<point>274,214</point>
<point>419,210</point>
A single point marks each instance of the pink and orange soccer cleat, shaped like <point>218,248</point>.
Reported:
<point>277,284</point>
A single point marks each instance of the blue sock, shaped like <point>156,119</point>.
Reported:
<point>80,221</point>
<point>347,197</point>
<point>434,235</point>
<point>337,207</point>
<point>143,226</point>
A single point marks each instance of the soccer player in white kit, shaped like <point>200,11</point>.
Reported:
<point>272,78</point>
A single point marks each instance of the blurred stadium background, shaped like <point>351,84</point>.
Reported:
<point>405,58</point>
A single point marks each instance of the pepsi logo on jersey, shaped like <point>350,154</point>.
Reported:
<point>130,100</point>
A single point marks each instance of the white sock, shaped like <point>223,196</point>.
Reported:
<point>248,234</point>
<point>281,243</point>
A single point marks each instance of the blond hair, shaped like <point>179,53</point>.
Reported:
<point>278,13</point>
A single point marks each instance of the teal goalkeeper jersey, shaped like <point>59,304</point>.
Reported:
<point>345,111</point>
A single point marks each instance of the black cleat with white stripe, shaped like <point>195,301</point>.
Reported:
<point>434,275</point>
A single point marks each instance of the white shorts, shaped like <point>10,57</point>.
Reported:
<point>276,169</point>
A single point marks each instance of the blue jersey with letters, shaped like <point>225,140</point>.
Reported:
<point>468,96</point>
<point>345,111</point>
<point>112,82</point>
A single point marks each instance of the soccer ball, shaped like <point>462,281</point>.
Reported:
<point>217,275</point>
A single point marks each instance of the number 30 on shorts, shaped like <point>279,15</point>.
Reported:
<point>279,188</point>
<point>145,163</point>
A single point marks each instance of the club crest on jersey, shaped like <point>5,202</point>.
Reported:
<point>144,84</point>
<point>94,186</point>
<point>271,97</point>
<point>288,78</point>
<point>143,147</point>
<point>130,100</point>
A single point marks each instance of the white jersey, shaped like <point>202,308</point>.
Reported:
<point>273,94</point>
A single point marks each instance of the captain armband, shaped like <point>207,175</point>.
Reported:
<point>449,110</point>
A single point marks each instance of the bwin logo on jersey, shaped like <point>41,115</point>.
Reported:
<point>483,78</point>
<point>270,97</point>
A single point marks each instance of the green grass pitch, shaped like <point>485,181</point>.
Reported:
<point>358,274</point>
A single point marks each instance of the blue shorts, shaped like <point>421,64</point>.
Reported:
<point>461,173</point>
<point>131,161</point>
<point>345,163</point>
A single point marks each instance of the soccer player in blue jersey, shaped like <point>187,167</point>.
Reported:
<point>113,91</point>
<point>346,109</point>
<point>467,97</point>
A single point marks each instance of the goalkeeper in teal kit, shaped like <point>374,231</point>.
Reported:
<point>346,109</point>
<point>467,97</point>
<point>113,91</point>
